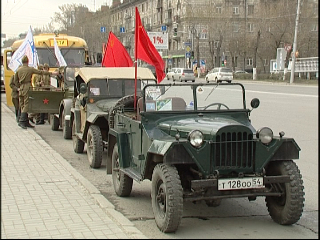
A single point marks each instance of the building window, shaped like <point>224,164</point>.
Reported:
<point>249,61</point>
<point>265,62</point>
<point>216,44</point>
<point>235,10</point>
<point>250,27</point>
<point>218,10</point>
<point>250,9</point>
<point>203,35</point>
<point>236,27</point>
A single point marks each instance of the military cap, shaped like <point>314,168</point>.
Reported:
<point>25,59</point>
<point>46,65</point>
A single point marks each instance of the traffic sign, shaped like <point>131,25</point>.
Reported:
<point>164,28</point>
<point>122,29</point>
<point>188,49</point>
<point>103,29</point>
<point>225,62</point>
<point>188,55</point>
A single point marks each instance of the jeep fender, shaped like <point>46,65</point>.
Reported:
<point>122,139</point>
<point>280,149</point>
<point>65,106</point>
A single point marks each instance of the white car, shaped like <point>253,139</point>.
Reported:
<point>170,73</point>
<point>219,74</point>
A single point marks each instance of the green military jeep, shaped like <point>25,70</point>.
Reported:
<point>195,142</point>
<point>97,89</point>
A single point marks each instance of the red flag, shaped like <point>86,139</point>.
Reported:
<point>116,54</point>
<point>146,51</point>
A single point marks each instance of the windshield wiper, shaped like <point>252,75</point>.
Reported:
<point>68,49</point>
<point>48,48</point>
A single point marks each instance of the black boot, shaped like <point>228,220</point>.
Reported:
<point>23,121</point>
<point>41,121</point>
<point>27,123</point>
<point>17,115</point>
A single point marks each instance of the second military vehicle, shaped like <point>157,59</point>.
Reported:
<point>97,91</point>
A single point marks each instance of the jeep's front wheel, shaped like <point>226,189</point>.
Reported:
<point>78,145</point>
<point>287,208</point>
<point>94,146</point>
<point>122,183</point>
<point>166,197</point>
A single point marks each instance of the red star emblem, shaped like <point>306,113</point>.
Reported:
<point>45,101</point>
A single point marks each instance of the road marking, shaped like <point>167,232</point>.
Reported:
<point>288,94</point>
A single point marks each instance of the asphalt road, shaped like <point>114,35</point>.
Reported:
<point>289,108</point>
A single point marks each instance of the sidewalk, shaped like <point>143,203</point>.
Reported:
<point>43,196</point>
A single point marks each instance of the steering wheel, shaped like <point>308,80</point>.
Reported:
<point>219,106</point>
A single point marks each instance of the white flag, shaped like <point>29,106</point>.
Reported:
<point>58,54</point>
<point>26,48</point>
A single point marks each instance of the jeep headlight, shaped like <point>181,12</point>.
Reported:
<point>195,137</point>
<point>265,135</point>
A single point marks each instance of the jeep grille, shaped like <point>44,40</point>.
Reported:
<point>234,150</point>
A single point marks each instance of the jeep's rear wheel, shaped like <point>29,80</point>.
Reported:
<point>121,182</point>
<point>66,129</point>
<point>94,146</point>
<point>286,209</point>
<point>166,197</point>
<point>78,145</point>
<point>55,123</point>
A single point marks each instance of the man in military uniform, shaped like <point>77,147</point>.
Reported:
<point>23,77</point>
<point>15,97</point>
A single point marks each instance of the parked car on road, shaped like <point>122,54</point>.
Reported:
<point>240,72</point>
<point>183,74</point>
<point>219,74</point>
<point>196,142</point>
<point>170,73</point>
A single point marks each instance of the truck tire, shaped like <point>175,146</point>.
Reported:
<point>55,123</point>
<point>121,182</point>
<point>166,197</point>
<point>94,146</point>
<point>66,129</point>
<point>286,209</point>
<point>78,144</point>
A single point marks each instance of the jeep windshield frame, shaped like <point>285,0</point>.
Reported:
<point>201,97</point>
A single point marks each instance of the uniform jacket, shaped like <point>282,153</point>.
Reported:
<point>24,75</point>
<point>14,92</point>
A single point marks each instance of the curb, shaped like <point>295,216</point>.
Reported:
<point>108,208</point>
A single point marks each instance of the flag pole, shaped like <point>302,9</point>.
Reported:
<point>135,62</point>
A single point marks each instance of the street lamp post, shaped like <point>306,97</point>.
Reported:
<point>295,44</point>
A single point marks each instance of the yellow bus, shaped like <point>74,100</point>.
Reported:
<point>74,50</point>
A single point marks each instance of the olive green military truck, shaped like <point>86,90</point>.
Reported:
<point>56,101</point>
<point>196,142</point>
<point>97,90</point>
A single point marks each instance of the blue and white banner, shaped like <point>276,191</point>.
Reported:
<point>26,48</point>
<point>58,54</point>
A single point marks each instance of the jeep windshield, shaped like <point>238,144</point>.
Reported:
<point>194,97</point>
<point>114,88</point>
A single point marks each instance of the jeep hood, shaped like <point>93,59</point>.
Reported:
<point>207,125</point>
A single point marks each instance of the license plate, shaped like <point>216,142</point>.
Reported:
<point>240,183</point>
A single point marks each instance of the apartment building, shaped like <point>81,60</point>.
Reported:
<point>240,34</point>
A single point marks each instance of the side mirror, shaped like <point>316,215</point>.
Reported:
<point>83,88</point>
<point>255,103</point>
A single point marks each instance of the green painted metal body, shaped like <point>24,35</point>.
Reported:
<point>230,144</point>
